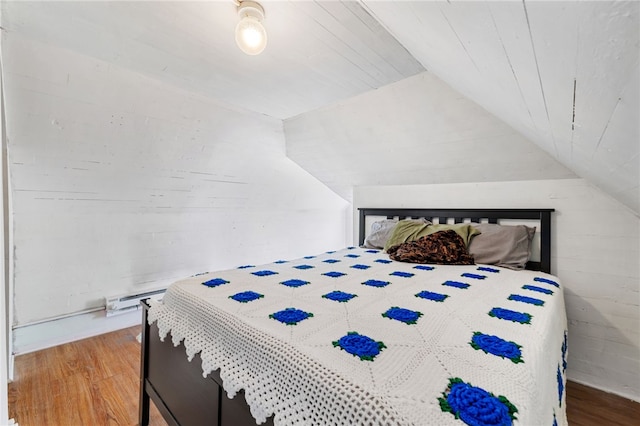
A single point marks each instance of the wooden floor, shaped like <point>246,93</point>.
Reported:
<point>96,382</point>
<point>90,382</point>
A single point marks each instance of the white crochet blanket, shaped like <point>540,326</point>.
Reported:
<point>350,337</point>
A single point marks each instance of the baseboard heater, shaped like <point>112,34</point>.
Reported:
<point>117,305</point>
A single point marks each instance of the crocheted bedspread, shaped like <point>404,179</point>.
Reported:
<point>351,337</point>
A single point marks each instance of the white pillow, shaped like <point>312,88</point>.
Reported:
<point>382,230</point>
<point>380,233</point>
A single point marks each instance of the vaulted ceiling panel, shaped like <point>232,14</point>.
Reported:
<point>318,52</point>
<point>416,131</point>
<point>564,74</point>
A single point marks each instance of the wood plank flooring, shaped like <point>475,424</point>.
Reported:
<point>587,406</point>
<point>96,382</point>
<point>89,382</point>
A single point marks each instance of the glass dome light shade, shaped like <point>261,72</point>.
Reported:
<point>251,36</point>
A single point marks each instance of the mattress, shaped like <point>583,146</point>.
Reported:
<point>352,337</point>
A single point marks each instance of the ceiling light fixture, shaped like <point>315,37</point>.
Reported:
<point>251,36</point>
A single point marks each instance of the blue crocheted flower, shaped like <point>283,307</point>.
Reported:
<point>294,283</point>
<point>353,256</point>
<point>339,296</point>
<point>487,269</point>
<point>246,296</point>
<point>437,297</point>
<point>246,266</point>
<point>538,289</point>
<point>455,284</point>
<point>402,274</point>
<point>560,386</point>
<point>475,406</point>
<point>359,345</point>
<point>359,266</point>
<point>331,261</point>
<point>403,315</point>
<point>546,281</point>
<point>385,261</point>
<point>376,283</point>
<point>525,299</point>
<point>334,274</point>
<point>264,273</point>
<point>302,267</point>
<point>474,276</point>
<point>281,261</point>
<point>506,314</point>
<point>496,346</point>
<point>372,251</point>
<point>215,282</point>
<point>309,257</point>
<point>564,348</point>
<point>291,316</point>
<point>424,267</point>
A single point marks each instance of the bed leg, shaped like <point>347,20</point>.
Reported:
<point>144,354</point>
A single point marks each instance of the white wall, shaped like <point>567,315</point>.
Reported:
<point>416,131</point>
<point>5,330</point>
<point>121,183</point>
<point>595,252</point>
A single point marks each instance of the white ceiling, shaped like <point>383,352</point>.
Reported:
<point>563,74</point>
<point>317,52</point>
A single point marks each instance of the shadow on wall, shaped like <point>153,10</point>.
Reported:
<point>601,353</point>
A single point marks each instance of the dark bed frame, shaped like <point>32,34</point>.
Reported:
<point>184,397</point>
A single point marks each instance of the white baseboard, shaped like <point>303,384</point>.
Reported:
<point>44,335</point>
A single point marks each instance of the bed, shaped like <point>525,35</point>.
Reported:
<point>353,337</point>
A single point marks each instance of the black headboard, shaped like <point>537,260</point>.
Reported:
<point>474,215</point>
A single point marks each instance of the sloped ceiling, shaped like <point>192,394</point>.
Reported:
<point>418,131</point>
<point>563,74</point>
<point>318,52</point>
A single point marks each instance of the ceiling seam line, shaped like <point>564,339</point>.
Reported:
<point>544,98</point>
<point>606,126</point>
<point>515,77</point>
<point>575,85</point>
<point>347,46</point>
<point>366,8</point>
<point>460,41</point>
